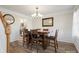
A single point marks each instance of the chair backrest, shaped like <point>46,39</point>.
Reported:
<point>45,29</point>
<point>51,32</point>
<point>25,33</point>
<point>34,33</point>
<point>56,34</point>
<point>37,29</point>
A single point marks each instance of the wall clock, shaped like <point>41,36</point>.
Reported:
<point>9,19</point>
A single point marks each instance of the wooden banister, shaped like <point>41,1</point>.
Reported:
<point>7,32</point>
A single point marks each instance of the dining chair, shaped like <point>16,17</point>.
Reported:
<point>35,40</point>
<point>53,41</point>
<point>25,37</point>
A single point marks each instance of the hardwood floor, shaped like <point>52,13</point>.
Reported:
<point>17,47</point>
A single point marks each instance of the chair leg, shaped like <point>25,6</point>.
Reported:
<point>37,49</point>
<point>23,43</point>
<point>55,49</point>
<point>31,47</point>
<point>37,46</point>
<point>27,45</point>
<point>55,46</point>
<point>48,42</point>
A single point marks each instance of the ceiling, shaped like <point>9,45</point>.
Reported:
<point>43,9</point>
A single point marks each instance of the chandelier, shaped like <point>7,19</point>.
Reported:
<point>37,14</point>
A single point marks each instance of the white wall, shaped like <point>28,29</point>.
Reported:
<point>76,27</point>
<point>62,21</point>
<point>2,38</point>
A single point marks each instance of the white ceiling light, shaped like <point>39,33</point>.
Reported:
<point>37,14</point>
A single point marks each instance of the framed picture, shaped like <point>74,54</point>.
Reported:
<point>47,22</point>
